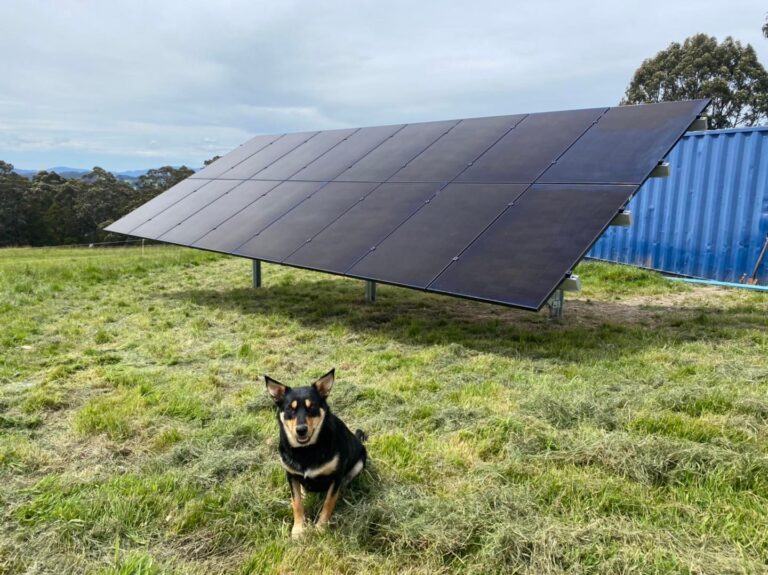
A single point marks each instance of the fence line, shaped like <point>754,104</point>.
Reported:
<point>87,245</point>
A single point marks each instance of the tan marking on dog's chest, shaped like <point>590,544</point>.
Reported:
<point>326,468</point>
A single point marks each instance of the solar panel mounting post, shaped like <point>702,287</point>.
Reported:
<point>556,303</point>
<point>257,273</point>
<point>370,291</point>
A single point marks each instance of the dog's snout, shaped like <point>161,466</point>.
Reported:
<point>301,430</point>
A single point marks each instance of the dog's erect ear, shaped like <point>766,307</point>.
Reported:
<point>275,389</point>
<point>325,383</point>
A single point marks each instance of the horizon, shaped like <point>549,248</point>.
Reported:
<point>170,85</point>
<point>67,169</point>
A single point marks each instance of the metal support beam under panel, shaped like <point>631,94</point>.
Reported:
<point>556,304</point>
<point>370,292</point>
<point>257,273</point>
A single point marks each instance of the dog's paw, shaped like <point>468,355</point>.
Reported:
<point>321,526</point>
<point>297,531</point>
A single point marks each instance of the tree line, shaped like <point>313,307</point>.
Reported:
<point>51,210</point>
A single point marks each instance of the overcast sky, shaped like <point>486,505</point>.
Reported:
<point>138,84</point>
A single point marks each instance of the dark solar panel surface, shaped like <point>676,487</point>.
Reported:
<point>417,251</point>
<point>526,252</point>
<point>496,209</point>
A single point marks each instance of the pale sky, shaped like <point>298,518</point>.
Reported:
<point>139,84</point>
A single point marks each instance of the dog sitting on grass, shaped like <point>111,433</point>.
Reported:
<point>319,453</point>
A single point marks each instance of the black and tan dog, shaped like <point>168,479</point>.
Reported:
<point>318,452</point>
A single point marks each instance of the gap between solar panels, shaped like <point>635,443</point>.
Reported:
<point>497,209</point>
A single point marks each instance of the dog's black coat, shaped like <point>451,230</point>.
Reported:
<point>333,438</point>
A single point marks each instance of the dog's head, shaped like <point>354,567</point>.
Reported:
<point>301,410</point>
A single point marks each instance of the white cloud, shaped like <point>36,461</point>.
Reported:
<point>138,84</point>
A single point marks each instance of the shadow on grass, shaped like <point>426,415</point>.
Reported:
<point>591,329</point>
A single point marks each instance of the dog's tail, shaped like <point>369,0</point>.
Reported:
<point>361,436</point>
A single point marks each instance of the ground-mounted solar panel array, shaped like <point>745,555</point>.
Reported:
<point>497,209</point>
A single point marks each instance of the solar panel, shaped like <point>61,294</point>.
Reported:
<point>496,209</point>
<point>458,211</point>
<point>343,242</point>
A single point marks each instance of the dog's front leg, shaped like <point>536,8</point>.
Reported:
<point>328,506</point>
<point>297,506</point>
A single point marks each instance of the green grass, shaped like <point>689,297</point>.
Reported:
<point>136,437</point>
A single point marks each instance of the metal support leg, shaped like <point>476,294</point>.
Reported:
<point>555,304</point>
<point>257,273</point>
<point>370,291</point>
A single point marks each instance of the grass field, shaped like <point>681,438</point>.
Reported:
<point>136,437</point>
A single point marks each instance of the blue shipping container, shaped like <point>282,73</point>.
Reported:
<point>709,218</point>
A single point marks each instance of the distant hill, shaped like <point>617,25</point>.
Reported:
<point>73,173</point>
<point>66,170</point>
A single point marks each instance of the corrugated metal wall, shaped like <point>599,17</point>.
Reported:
<point>709,218</point>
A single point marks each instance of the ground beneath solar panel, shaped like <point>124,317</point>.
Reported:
<point>135,436</point>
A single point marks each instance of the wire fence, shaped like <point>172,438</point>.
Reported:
<point>115,247</point>
<point>88,245</point>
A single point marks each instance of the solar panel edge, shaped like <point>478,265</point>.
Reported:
<point>239,188</point>
<point>513,120</point>
<point>303,138</point>
<point>167,193</point>
<point>218,187</point>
